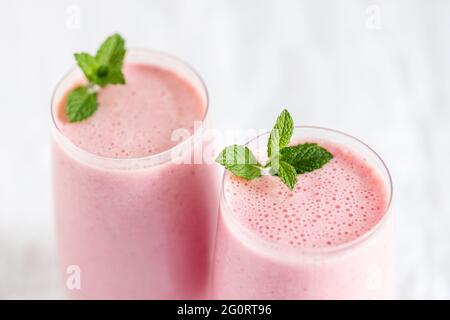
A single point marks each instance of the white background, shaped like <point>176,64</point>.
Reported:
<point>378,70</point>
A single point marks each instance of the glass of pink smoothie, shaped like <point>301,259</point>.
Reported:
<point>134,219</point>
<point>329,238</point>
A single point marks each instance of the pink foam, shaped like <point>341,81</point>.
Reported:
<point>328,207</point>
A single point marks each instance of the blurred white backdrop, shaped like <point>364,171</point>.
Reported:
<point>379,70</point>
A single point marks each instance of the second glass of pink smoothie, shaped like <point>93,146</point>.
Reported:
<point>133,217</point>
<point>331,237</point>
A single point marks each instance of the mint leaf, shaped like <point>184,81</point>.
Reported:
<point>109,59</point>
<point>287,174</point>
<point>273,146</point>
<point>245,171</point>
<point>306,157</point>
<point>87,64</point>
<point>274,164</point>
<point>240,161</point>
<point>81,104</point>
<point>281,133</point>
<point>236,154</point>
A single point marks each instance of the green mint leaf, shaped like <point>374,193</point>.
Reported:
<point>306,157</point>
<point>87,64</point>
<point>273,146</point>
<point>81,104</point>
<point>274,164</point>
<point>240,161</point>
<point>245,171</point>
<point>287,174</point>
<point>109,59</point>
<point>111,52</point>
<point>281,133</point>
<point>236,154</point>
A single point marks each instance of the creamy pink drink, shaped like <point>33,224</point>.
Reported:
<point>329,238</point>
<point>132,214</point>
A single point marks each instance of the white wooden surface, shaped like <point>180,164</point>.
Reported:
<point>379,70</point>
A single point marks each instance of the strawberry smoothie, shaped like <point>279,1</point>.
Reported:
<point>329,238</point>
<point>134,219</point>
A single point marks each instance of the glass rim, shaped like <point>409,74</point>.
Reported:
<point>273,249</point>
<point>154,159</point>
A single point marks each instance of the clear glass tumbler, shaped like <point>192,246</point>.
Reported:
<point>135,227</point>
<point>250,266</point>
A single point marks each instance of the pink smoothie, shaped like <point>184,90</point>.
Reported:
<point>274,243</point>
<point>136,226</point>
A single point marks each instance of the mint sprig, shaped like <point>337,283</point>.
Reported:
<point>285,161</point>
<point>100,70</point>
